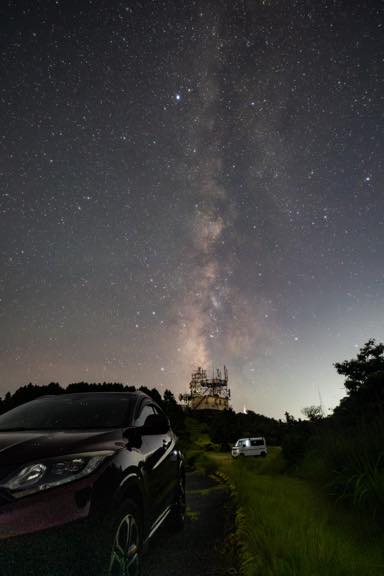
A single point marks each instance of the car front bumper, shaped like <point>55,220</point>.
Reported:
<point>51,533</point>
<point>45,509</point>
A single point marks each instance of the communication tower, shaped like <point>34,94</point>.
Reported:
<point>207,393</point>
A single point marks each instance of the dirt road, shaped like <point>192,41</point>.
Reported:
<point>202,548</point>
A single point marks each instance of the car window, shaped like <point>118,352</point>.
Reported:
<point>257,442</point>
<point>158,411</point>
<point>146,411</point>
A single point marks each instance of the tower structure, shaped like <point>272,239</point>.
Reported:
<point>208,393</point>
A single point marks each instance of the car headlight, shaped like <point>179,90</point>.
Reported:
<point>52,472</point>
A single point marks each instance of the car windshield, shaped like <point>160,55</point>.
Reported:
<point>69,413</point>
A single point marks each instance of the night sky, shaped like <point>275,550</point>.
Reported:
<point>191,183</point>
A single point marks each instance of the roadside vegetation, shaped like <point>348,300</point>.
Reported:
<point>286,526</point>
<point>344,453</point>
<point>316,506</point>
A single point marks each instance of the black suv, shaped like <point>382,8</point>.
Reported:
<point>85,481</point>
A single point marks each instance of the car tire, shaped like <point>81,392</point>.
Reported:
<point>177,515</point>
<point>123,544</point>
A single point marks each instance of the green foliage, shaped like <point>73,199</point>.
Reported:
<point>224,429</point>
<point>345,452</point>
<point>287,528</point>
<point>353,464</point>
<point>296,440</point>
<point>198,444</point>
<point>227,426</point>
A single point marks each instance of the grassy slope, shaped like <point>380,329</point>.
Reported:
<point>288,528</point>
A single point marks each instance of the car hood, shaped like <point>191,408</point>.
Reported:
<point>21,447</point>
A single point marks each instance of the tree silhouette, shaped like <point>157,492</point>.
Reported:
<point>313,413</point>
<point>289,418</point>
<point>364,383</point>
<point>364,370</point>
<point>174,411</point>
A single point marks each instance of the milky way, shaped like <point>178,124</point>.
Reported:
<point>191,183</point>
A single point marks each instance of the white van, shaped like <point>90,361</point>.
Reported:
<point>250,447</point>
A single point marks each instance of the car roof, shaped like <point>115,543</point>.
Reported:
<point>92,394</point>
<point>137,393</point>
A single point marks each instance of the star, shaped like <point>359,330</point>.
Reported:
<point>191,194</point>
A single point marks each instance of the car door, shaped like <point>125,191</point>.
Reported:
<point>169,464</point>
<point>154,463</point>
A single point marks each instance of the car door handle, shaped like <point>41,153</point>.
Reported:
<point>166,443</point>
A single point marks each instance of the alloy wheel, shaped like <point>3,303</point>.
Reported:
<point>125,560</point>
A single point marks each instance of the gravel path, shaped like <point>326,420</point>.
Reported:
<point>201,549</point>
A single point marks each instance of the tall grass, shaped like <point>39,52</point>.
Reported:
<point>349,461</point>
<point>286,527</point>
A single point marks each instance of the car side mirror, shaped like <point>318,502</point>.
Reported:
<point>133,436</point>
<point>155,424</point>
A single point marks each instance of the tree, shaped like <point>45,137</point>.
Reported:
<point>364,383</point>
<point>169,398</point>
<point>365,371</point>
<point>289,418</point>
<point>174,411</point>
<point>224,429</point>
<point>313,413</point>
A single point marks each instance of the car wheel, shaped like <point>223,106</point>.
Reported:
<point>177,516</point>
<point>125,554</point>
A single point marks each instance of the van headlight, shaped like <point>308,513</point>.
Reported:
<point>52,472</point>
